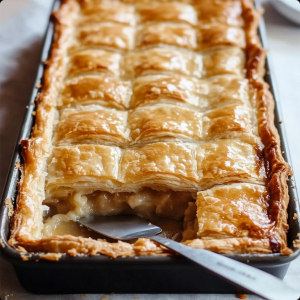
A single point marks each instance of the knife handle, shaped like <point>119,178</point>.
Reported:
<point>254,280</point>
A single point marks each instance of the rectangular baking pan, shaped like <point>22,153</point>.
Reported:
<point>100,274</point>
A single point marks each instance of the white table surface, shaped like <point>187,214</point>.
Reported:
<point>22,26</point>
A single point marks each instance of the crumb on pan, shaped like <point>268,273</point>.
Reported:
<point>10,206</point>
<point>295,216</point>
<point>51,256</point>
<point>2,243</point>
<point>18,165</point>
<point>286,251</point>
<point>25,257</point>
<point>296,243</point>
<point>22,249</point>
<point>72,252</point>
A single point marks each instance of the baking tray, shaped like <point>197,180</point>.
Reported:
<point>100,274</point>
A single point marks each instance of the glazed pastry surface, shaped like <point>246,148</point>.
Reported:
<point>154,108</point>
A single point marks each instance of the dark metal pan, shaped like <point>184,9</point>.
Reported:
<point>100,274</point>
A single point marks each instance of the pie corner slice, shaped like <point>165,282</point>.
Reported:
<point>220,35</point>
<point>232,219</point>
<point>236,210</point>
<point>178,35</point>
<point>111,36</point>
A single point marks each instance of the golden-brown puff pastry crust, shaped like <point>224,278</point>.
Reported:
<point>219,35</point>
<point>78,165</point>
<point>159,98</point>
<point>233,211</point>
<point>228,121</point>
<point>167,164</point>
<point>152,123</point>
<point>179,35</point>
<point>225,61</point>
<point>227,12</point>
<point>154,89</point>
<point>229,160</point>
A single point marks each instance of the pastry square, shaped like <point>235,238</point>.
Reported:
<point>239,210</point>
<point>178,35</point>
<point>223,90</point>
<point>161,61</point>
<point>165,61</point>
<point>94,89</point>
<point>167,12</point>
<point>224,61</point>
<point>154,89</point>
<point>227,121</point>
<point>137,2</point>
<point>154,123</point>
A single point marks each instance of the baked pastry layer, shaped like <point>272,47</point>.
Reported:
<point>155,108</point>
